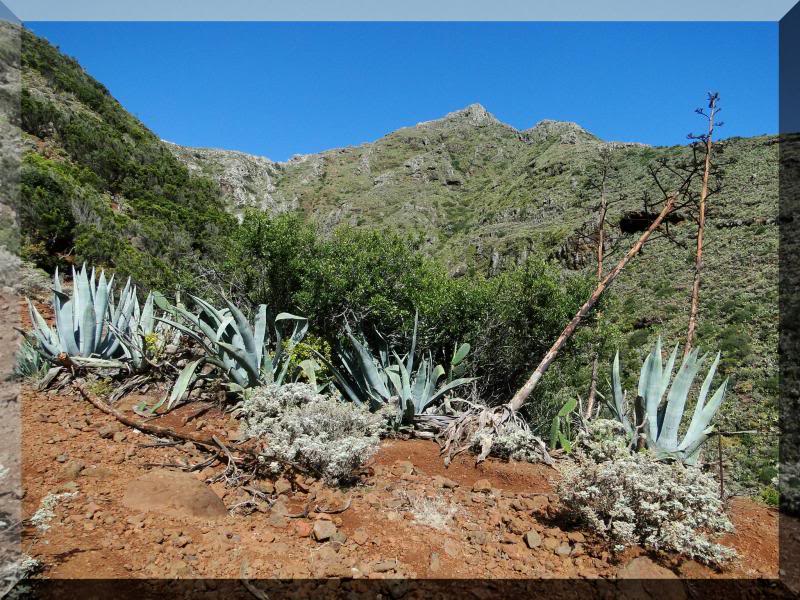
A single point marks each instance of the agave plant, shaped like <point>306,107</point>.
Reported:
<point>388,379</point>
<point>30,364</point>
<point>247,355</point>
<point>661,420</point>
<point>86,321</point>
<point>147,337</point>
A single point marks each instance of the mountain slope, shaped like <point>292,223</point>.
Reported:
<point>483,196</point>
<point>98,185</point>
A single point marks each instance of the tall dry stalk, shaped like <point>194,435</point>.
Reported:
<point>601,225</point>
<point>522,394</point>
<point>713,99</point>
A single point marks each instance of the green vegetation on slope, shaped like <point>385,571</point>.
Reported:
<point>485,205</point>
<point>97,185</point>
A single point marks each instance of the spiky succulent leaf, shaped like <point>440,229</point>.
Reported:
<point>663,430</point>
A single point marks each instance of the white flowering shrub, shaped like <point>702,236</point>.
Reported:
<point>46,511</point>
<point>262,405</point>
<point>327,437</point>
<point>635,499</point>
<point>436,512</point>
<point>604,440</point>
<point>511,442</point>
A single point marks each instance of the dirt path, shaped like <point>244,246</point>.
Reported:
<point>101,529</point>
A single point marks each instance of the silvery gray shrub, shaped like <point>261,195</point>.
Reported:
<point>636,499</point>
<point>323,435</point>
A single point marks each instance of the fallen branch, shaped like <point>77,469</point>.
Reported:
<point>210,442</point>
<point>458,434</point>
<point>334,511</point>
<point>522,395</point>
<point>157,430</point>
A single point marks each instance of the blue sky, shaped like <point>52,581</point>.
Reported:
<point>277,89</point>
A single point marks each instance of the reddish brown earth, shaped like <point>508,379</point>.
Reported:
<point>107,530</point>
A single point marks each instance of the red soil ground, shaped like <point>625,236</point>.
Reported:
<point>95,534</point>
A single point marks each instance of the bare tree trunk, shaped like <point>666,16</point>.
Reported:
<point>601,234</point>
<point>522,394</point>
<point>701,224</point>
<point>600,253</point>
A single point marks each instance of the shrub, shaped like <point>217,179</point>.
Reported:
<point>329,438</point>
<point>432,511</point>
<point>635,499</point>
<point>380,280</point>
<point>514,442</point>
<point>604,440</point>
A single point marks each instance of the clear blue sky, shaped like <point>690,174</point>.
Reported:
<point>277,89</point>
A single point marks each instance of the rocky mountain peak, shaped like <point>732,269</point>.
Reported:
<point>474,114</point>
<point>567,131</point>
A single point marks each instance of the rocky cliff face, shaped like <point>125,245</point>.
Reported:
<point>247,181</point>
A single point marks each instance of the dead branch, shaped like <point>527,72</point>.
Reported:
<point>701,222</point>
<point>204,440</point>
<point>525,391</point>
<point>334,511</point>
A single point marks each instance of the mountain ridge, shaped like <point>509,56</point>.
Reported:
<point>475,194</point>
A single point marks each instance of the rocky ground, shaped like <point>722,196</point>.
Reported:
<point>121,507</point>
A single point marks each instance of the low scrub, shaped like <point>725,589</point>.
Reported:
<point>512,441</point>
<point>635,499</point>
<point>316,433</point>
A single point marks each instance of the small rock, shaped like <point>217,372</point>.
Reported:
<point>563,550</point>
<point>69,486</point>
<point>303,529</point>
<point>644,568</point>
<point>478,537</point>
<point>538,504</point>
<point>517,526</point>
<point>451,548</point>
<point>405,466</point>
<point>107,431</point>
<point>360,536</point>
<point>120,436</point>
<point>384,566</point>
<point>90,509</point>
<point>435,563</point>
<point>276,519</point>
<point>282,486</point>
<point>135,519</point>
<point>71,470</point>
<point>482,485</point>
<point>323,530</point>
<point>533,539</point>
<point>339,537</point>
<point>551,543</point>
<point>576,537</point>
<point>265,486</point>
<point>444,482</point>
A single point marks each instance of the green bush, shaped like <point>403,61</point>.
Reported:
<point>114,194</point>
<point>379,279</point>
